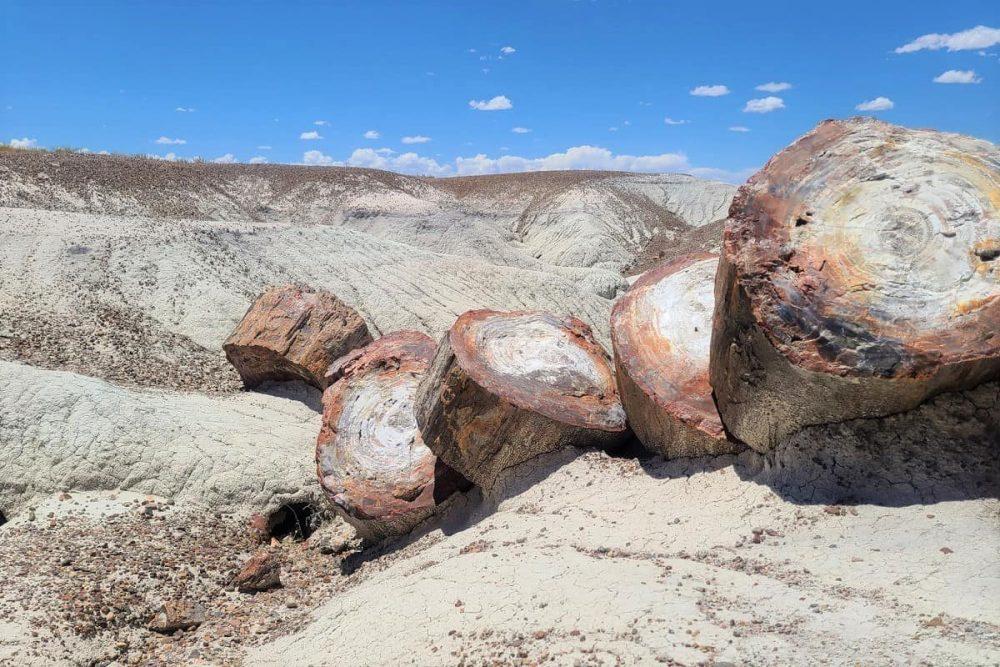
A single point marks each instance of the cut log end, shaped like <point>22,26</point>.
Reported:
<point>506,387</point>
<point>371,460</point>
<point>856,257</point>
<point>661,331</point>
<point>293,333</point>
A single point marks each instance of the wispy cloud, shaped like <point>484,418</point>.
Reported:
<point>24,143</point>
<point>613,128</point>
<point>416,139</point>
<point>508,50</point>
<point>167,141</point>
<point>228,158</point>
<point>373,134</point>
<point>311,135</point>
<point>185,109</point>
<point>717,90</point>
<point>774,86</point>
<point>321,122</point>
<point>520,130</point>
<point>738,128</point>
<point>498,103</point>
<point>670,121</point>
<point>877,104</point>
<point>980,37</point>
<point>957,76</point>
<point>764,105</point>
<point>257,159</point>
<point>263,148</point>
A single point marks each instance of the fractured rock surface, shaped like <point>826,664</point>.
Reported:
<point>854,280</point>
<point>661,330</point>
<point>294,333</point>
<point>505,387</point>
<point>372,463</point>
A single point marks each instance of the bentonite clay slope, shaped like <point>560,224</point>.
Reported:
<point>571,219</point>
<point>505,387</point>
<point>860,275</point>
<point>661,331</point>
<point>60,431</point>
<point>371,461</point>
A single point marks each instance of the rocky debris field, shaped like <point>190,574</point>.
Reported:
<point>484,500</point>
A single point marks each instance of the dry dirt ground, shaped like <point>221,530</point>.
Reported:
<point>130,461</point>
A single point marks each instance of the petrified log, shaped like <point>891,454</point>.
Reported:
<point>505,387</point>
<point>370,458</point>
<point>859,276</point>
<point>661,330</point>
<point>294,333</point>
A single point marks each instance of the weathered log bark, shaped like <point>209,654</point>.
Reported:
<point>371,461</point>
<point>294,333</point>
<point>859,277</point>
<point>661,330</point>
<point>506,387</point>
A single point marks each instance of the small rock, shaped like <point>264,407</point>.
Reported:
<point>177,615</point>
<point>262,572</point>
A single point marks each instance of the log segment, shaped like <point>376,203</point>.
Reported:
<point>859,277</point>
<point>294,333</point>
<point>661,330</point>
<point>506,387</point>
<point>371,461</point>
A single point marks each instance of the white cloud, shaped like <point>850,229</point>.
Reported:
<point>171,142</point>
<point>507,50</point>
<point>738,176</point>
<point>498,103</point>
<point>228,158</point>
<point>520,130</point>
<point>980,37</point>
<point>877,104</point>
<point>710,91</point>
<point>416,139</point>
<point>472,50</point>
<point>957,76</point>
<point>764,105</point>
<point>318,158</point>
<point>313,134</point>
<point>169,157</point>
<point>739,128</point>
<point>578,157</point>
<point>185,109</point>
<point>774,86</point>
<point>263,148</point>
<point>321,122</point>
<point>257,159</point>
<point>613,128</point>
<point>409,163</point>
<point>372,134</point>
<point>670,121</point>
<point>24,143</point>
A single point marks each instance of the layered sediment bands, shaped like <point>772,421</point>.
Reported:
<point>371,461</point>
<point>506,387</point>
<point>857,279</point>
<point>294,333</point>
<point>661,331</point>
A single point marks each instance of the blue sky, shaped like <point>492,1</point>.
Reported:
<point>589,84</point>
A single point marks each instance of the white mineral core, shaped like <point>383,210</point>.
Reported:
<point>682,305</point>
<point>535,348</point>
<point>377,427</point>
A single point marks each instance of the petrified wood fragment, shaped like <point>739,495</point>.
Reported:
<point>661,330</point>
<point>294,333</point>
<point>857,279</point>
<point>370,458</point>
<point>506,387</point>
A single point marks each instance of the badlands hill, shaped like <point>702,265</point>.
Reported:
<point>131,460</point>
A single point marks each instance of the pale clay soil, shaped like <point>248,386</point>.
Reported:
<point>131,461</point>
